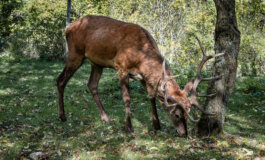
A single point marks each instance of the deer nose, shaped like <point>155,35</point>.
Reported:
<point>181,132</point>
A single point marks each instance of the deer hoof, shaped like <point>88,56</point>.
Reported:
<point>156,125</point>
<point>63,118</point>
<point>129,129</point>
<point>105,118</point>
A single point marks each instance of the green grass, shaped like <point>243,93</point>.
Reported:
<point>29,122</point>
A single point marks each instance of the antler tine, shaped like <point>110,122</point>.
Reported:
<point>178,104</point>
<point>173,77</point>
<point>165,77</point>
<point>188,115</point>
<point>196,104</point>
<point>216,55</point>
<point>165,100</point>
<point>202,48</point>
<point>164,69</point>
<point>163,83</point>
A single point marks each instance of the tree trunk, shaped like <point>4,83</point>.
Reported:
<point>68,21</point>
<point>227,40</point>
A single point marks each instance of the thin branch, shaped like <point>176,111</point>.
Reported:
<point>212,78</point>
<point>208,95</point>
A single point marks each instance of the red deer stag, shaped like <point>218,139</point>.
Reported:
<point>132,51</point>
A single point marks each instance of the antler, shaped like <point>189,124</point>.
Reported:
<point>165,77</point>
<point>190,86</point>
<point>175,106</point>
<point>167,97</point>
<point>198,78</point>
<point>163,84</point>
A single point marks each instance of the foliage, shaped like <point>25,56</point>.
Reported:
<point>41,34</point>
<point>28,96</point>
<point>251,23</point>
<point>8,16</point>
<point>29,122</point>
<point>36,28</point>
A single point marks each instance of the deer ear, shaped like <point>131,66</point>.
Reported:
<point>188,86</point>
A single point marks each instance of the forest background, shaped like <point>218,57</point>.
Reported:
<point>32,54</point>
<point>36,29</point>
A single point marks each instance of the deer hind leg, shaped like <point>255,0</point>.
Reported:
<point>72,64</point>
<point>124,82</point>
<point>93,87</point>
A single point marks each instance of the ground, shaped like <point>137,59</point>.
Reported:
<point>29,123</point>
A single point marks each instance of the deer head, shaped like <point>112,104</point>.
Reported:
<point>178,102</point>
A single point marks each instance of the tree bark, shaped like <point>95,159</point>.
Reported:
<point>227,40</point>
<point>68,21</point>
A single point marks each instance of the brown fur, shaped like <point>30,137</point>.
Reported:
<point>129,49</point>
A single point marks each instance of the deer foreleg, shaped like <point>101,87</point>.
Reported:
<point>156,123</point>
<point>124,81</point>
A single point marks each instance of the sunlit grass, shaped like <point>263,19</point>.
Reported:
<point>29,122</point>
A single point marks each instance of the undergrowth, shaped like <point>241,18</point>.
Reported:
<point>29,121</point>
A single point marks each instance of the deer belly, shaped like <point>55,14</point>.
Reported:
<point>103,63</point>
<point>100,59</point>
<point>136,76</point>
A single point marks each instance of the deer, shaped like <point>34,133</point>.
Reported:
<point>133,53</point>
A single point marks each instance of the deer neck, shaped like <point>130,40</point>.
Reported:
<point>159,88</point>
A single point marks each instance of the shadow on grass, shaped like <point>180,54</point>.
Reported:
<point>246,111</point>
<point>29,123</point>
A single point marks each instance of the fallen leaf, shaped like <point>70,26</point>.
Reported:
<point>154,149</point>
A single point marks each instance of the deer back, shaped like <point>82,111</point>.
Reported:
<point>111,43</point>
